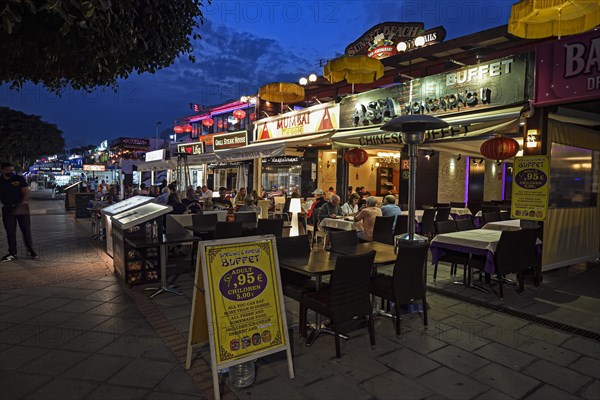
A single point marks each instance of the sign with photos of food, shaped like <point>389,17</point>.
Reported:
<point>531,175</point>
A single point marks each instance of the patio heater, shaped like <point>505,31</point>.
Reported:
<point>412,128</point>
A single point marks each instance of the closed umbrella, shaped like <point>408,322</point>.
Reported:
<point>536,19</point>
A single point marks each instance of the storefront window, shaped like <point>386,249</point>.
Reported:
<point>281,175</point>
<point>575,171</point>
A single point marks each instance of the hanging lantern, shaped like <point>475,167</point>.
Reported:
<point>208,122</point>
<point>178,129</point>
<point>187,128</point>
<point>239,114</point>
<point>220,124</point>
<point>499,148</point>
<point>356,157</point>
<point>252,117</point>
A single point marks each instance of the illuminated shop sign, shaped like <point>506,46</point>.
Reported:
<point>229,140</point>
<point>94,167</point>
<point>282,160</point>
<point>156,155</point>
<point>191,148</point>
<point>318,118</point>
<point>496,83</point>
<point>390,38</point>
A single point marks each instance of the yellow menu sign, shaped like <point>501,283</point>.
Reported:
<point>531,175</point>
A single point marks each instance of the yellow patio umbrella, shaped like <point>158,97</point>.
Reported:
<point>281,92</point>
<point>353,69</point>
<point>536,19</point>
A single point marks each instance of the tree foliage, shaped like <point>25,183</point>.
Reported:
<point>24,138</point>
<point>92,43</point>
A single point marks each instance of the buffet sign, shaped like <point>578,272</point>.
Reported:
<point>530,188</point>
<point>241,310</point>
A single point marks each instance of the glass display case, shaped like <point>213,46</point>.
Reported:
<point>115,209</point>
<point>137,266</point>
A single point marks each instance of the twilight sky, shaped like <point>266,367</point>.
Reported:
<point>244,45</point>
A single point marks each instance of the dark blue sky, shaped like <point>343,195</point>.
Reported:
<point>244,45</point>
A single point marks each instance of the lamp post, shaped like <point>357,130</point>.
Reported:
<point>412,128</point>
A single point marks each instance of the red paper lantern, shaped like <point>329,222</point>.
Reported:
<point>252,117</point>
<point>220,124</point>
<point>499,148</point>
<point>178,129</point>
<point>239,114</point>
<point>208,122</point>
<point>356,157</point>
<point>188,128</point>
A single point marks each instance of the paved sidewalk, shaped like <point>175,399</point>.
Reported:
<point>68,329</point>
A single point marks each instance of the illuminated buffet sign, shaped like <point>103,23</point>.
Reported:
<point>497,83</point>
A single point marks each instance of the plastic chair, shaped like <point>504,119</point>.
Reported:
<point>383,230</point>
<point>226,230</point>
<point>407,282</point>
<point>346,298</point>
<point>270,227</point>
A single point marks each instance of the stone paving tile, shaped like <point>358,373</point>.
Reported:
<point>111,309</point>
<point>15,384</point>
<point>506,356</point>
<point>174,396</point>
<point>142,373</point>
<point>49,303</point>
<point>131,346</point>
<point>387,386</point>
<point>54,362</point>
<point>20,315</point>
<point>99,367</point>
<point>357,365</point>
<point>21,301</point>
<point>505,380</point>
<point>89,341</point>
<point>566,379</point>
<point>271,389</point>
<point>335,387</point>
<point>307,369</point>
<point>160,352</point>
<point>458,359</point>
<point>17,356</point>
<point>542,333</point>
<point>420,342</point>
<point>408,362</point>
<point>103,295</point>
<point>587,347</point>
<point>549,352</point>
<point>6,309</point>
<point>470,310</point>
<point>547,392</point>
<point>175,312</point>
<point>71,293</point>
<point>64,389</point>
<point>111,392</point>
<point>587,365</point>
<point>179,381</point>
<point>52,318</point>
<point>18,333</point>
<point>79,306</point>
<point>466,340</point>
<point>115,325</point>
<point>505,322</point>
<point>85,322</point>
<point>451,384</point>
<point>493,394</point>
<point>592,392</point>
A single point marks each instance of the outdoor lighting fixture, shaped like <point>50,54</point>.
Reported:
<point>430,154</point>
<point>419,41</point>
<point>532,141</point>
<point>295,208</point>
<point>312,78</point>
<point>481,161</point>
<point>303,81</point>
<point>375,165</point>
<point>462,64</point>
<point>388,158</point>
<point>459,157</point>
<point>402,46</point>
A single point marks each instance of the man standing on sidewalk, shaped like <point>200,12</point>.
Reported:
<point>14,194</point>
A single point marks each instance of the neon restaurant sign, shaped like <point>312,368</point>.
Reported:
<point>390,38</point>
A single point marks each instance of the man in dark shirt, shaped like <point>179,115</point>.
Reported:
<point>14,194</point>
<point>222,199</point>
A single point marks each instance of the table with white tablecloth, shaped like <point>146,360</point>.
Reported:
<point>508,225</point>
<point>342,224</point>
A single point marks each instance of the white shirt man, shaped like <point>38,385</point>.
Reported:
<point>206,193</point>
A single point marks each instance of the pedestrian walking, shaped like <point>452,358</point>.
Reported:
<point>14,194</point>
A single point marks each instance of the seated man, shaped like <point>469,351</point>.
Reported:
<point>316,205</point>
<point>331,209</point>
<point>389,208</point>
<point>367,214</point>
<point>222,199</point>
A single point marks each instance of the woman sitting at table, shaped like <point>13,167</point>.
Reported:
<point>351,207</point>
<point>254,194</point>
<point>249,205</point>
<point>240,196</point>
<point>367,214</point>
<point>176,204</point>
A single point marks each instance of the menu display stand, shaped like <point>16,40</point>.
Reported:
<point>82,203</point>
<point>70,195</point>
<point>117,208</point>
<point>137,265</point>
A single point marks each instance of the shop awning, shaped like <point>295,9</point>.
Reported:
<point>467,126</point>
<point>204,158</point>
<point>274,148</point>
<point>157,165</point>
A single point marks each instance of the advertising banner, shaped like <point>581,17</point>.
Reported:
<point>568,70</point>
<point>245,314</point>
<point>319,118</point>
<point>495,83</point>
<point>531,175</point>
<point>191,148</point>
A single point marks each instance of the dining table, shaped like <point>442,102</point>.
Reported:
<point>342,224</point>
<point>508,225</point>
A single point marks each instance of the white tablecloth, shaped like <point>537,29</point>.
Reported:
<point>460,211</point>
<point>339,223</point>
<point>509,225</point>
<point>485,239</point>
